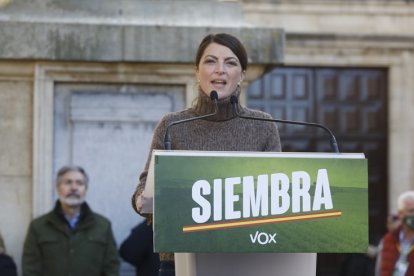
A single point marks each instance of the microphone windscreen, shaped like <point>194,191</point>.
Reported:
<point>214,95</point>
<point>233,99</point>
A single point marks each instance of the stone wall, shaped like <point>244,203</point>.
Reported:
<point>44,42</point>
<point>16,101</point>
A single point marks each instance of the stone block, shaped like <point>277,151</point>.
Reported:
<point>15,215</point>
<point>15,128</point>
<point>130,31</point>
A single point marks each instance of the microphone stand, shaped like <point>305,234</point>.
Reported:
<point>334,144</point>
<point>167,137</point>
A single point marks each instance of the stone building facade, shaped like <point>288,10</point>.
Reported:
<point>50,49</point>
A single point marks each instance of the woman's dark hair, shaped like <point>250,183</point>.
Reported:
<point>227,40</point>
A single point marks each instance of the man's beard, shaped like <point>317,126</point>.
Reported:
<point>72,200</point>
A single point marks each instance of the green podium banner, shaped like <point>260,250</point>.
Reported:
<point>259,202</point>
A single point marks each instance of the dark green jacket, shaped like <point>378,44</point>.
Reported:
<point>52,249</point>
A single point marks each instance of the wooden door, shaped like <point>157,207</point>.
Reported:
<point>352,103</point>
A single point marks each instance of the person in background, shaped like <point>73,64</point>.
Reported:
<point>7,265</point>
<point>393,222</point>
<point>220,65</point>
<point>71,239</point>
<point>397,255</point>
<point>138,250</point>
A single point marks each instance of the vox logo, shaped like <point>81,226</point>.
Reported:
<point>263,238</point>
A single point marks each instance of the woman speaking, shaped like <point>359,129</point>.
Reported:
<point>220,65</point>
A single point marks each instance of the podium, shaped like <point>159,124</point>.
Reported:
<point>245,264</point>
<point>256,213</point>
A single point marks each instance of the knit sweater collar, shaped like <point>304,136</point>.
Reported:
<point>204,105</point>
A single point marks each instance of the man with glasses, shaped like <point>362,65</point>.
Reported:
<point>71,239</point>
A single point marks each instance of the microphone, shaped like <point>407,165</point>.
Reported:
<point>167,137</point>
<point>334,144</point>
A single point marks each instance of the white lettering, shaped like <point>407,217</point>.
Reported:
<point>263,238</point>
<point>231,198</point>
<point>279,193</point>
<point>217,203</point>
<point>272,238</point>
<point>300,190</point>
<point>257,199</point>
<point>253,239</point>
<point>322,191</point>
<point>201,215</point>
<point>263,235</point>
<point>257,203</point>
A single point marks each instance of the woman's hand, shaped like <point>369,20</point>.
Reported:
<point>139,204</point>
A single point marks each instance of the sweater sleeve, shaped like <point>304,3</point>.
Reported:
<point>157,143</point>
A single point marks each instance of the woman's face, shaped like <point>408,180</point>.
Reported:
<point>219,70</point>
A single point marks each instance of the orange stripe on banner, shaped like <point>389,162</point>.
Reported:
<point>250,222</point>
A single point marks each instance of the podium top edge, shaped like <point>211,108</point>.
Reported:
<point>259,154</point>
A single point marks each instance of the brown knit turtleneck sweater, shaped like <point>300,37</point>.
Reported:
<point>221,132</point>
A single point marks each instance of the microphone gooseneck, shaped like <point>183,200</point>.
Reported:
<point>167,137</point>
<point>334,144</point>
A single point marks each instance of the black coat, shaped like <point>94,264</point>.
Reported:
<point>137,249</point>
<point>7,266</point>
